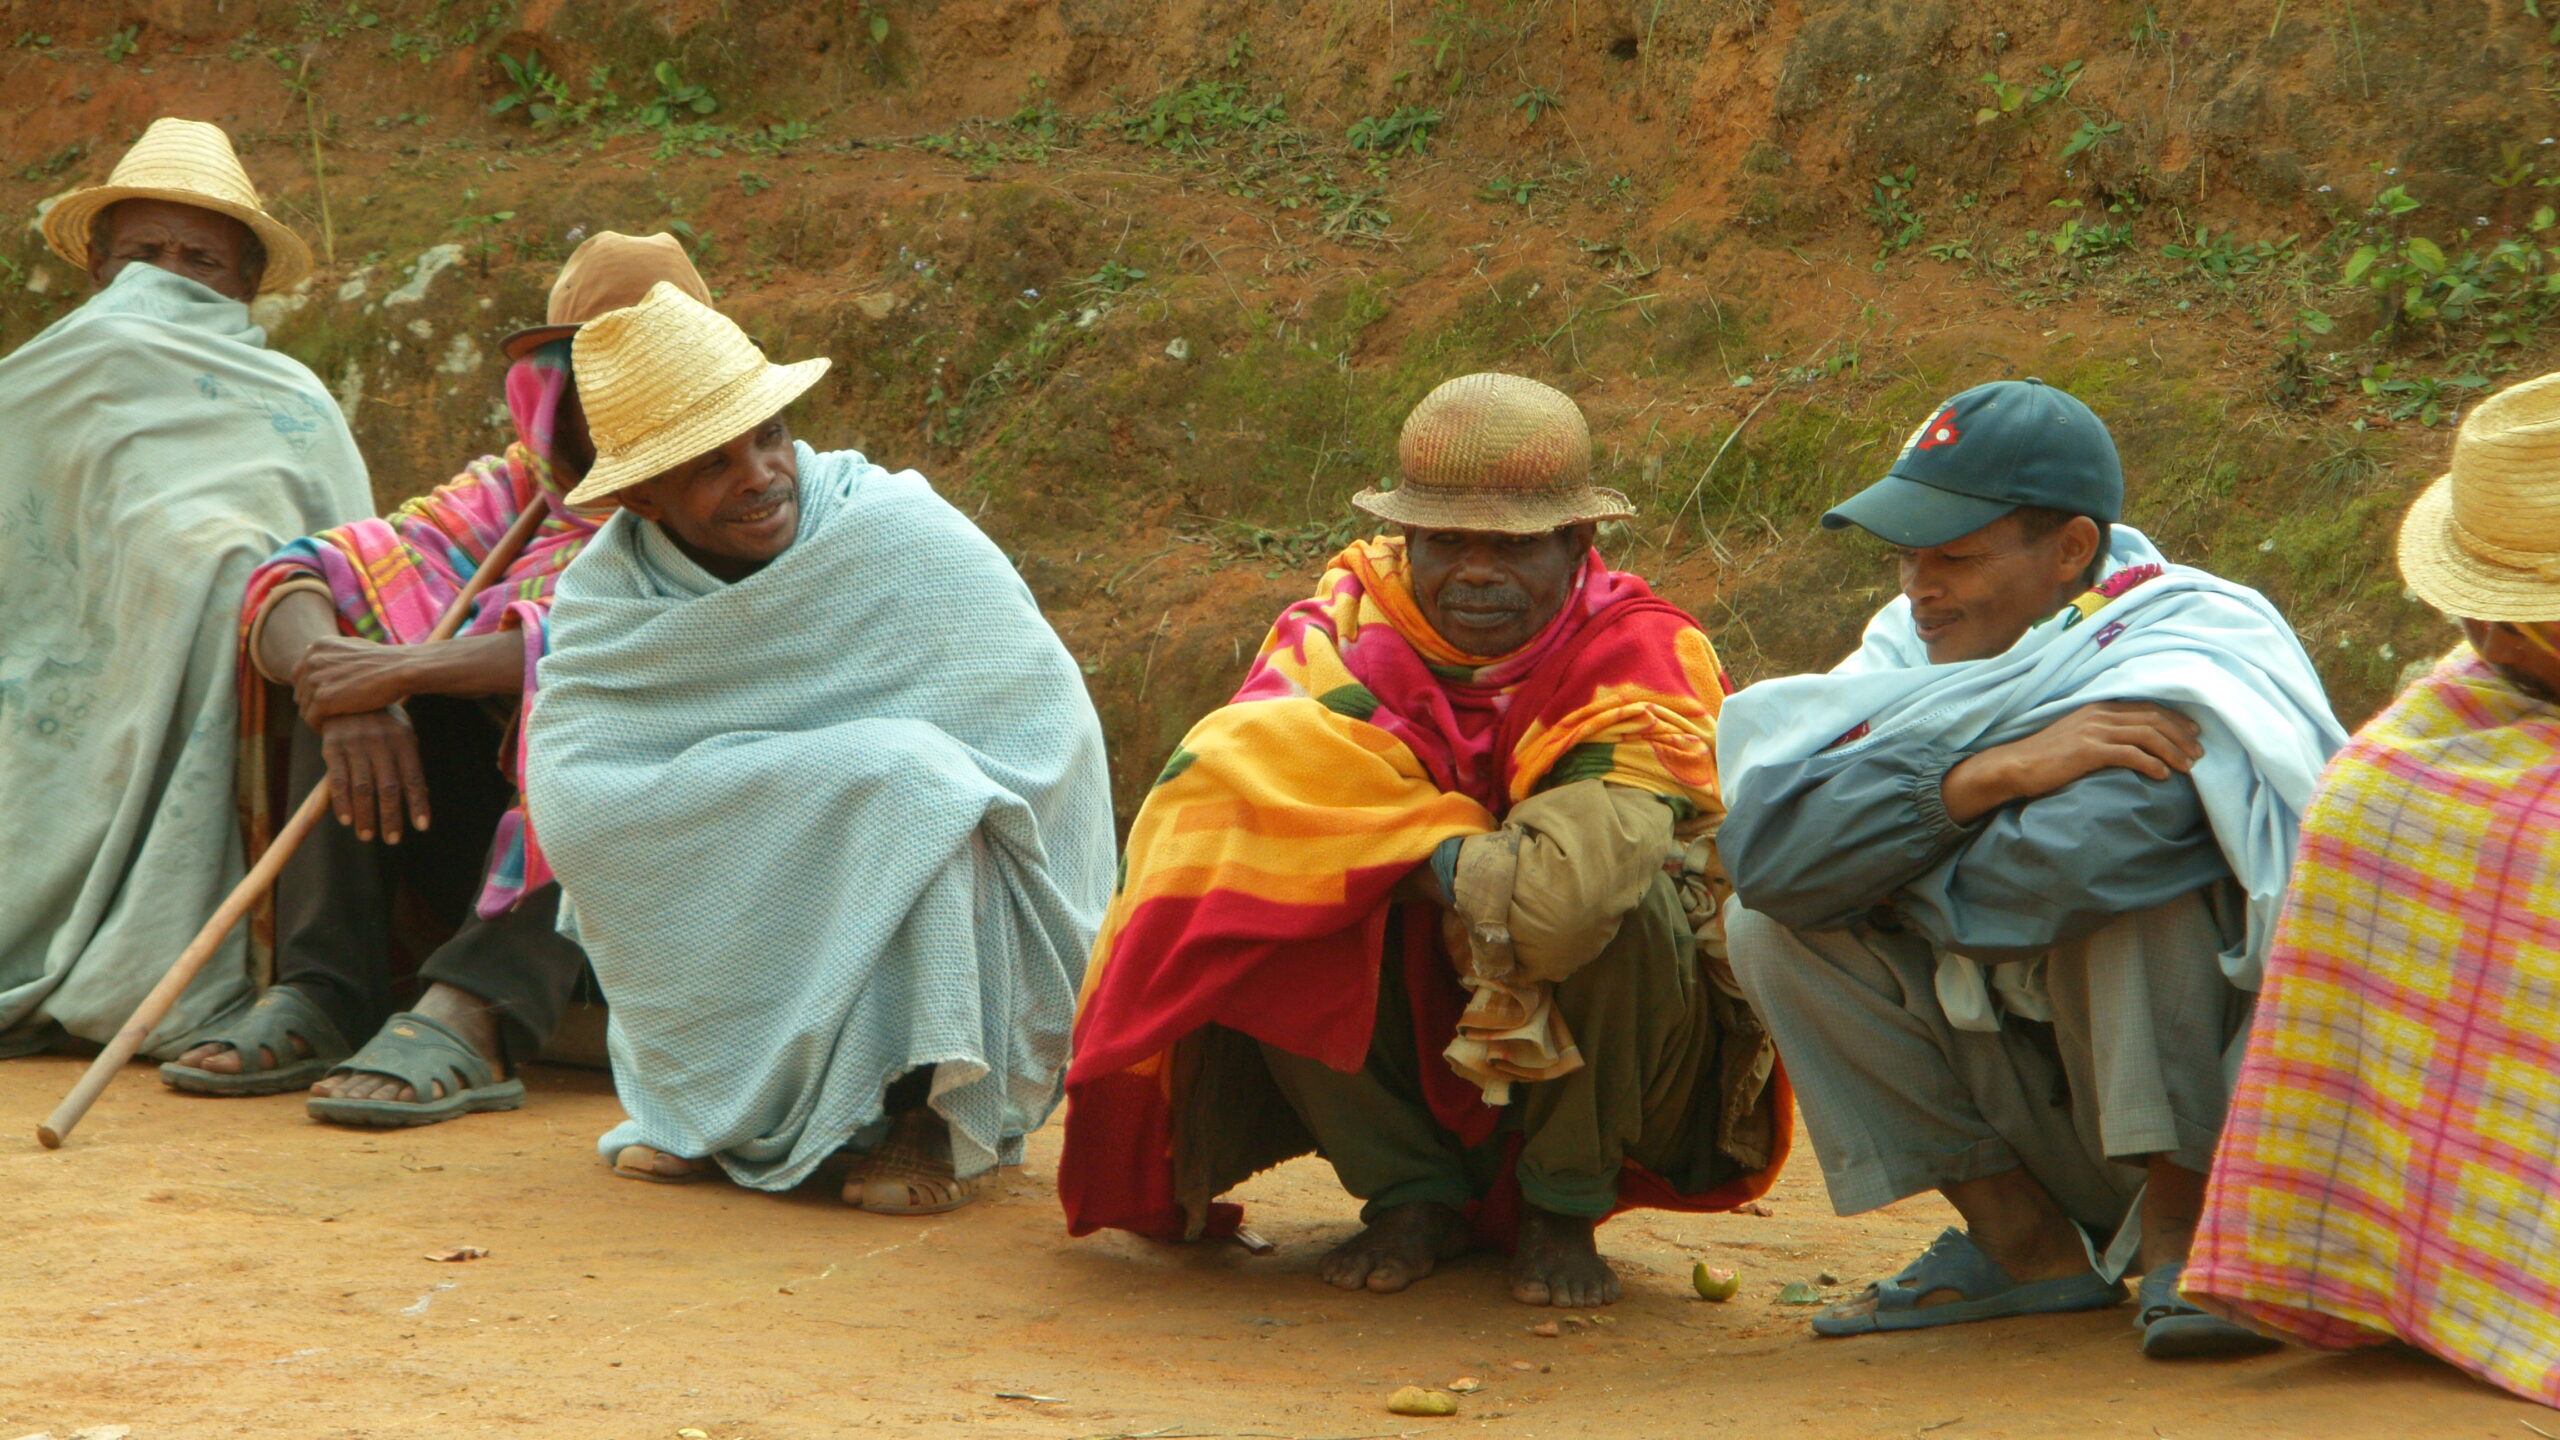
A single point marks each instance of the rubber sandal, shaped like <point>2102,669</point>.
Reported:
<point>2172,1329</point>
<point>271,1025</point>
<point>911,1172</point>
<point>638,1162</point>
<point>1954,1262</point>
<point>422,1054</point>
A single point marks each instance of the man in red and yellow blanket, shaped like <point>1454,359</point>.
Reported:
<point>1435,895</point>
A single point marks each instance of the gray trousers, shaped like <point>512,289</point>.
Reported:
<point>1899,1101</point>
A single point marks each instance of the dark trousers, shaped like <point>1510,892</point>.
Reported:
<point>334,898</point>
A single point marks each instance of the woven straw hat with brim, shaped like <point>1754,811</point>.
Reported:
<point>186,162</point>
<point>606,272</point>
<point>669,379</point>
<point>2483,542</point>
<point>1494,452</point>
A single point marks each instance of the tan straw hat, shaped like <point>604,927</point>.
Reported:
<point>2483,542</point>
<point>669,379</point>
<point>1495,452</point>
<point>186,162</point>
<point>610,270</point>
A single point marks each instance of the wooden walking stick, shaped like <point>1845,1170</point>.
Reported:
<point>156,1005</point>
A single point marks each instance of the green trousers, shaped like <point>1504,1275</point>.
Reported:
<point>1641,1015</point>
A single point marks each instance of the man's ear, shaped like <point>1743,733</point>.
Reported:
<point>2079,545</point>
<point>641,500</point>
<point>1581,535</point>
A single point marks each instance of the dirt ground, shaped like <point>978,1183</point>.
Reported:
<point>189,1267</point>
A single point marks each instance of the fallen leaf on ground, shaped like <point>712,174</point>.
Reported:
<point>1034,1399</point>
<point>689,1433</point>
<point>1546,1329</point>
<point>458,1252</point>
<point>1414,1400</point>
<point>1465,1385</point>
<point>1799,1293</point>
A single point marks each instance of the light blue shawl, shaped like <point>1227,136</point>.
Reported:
<point>844,818</point>
<point>2215,651</point>
<point>156,451</point>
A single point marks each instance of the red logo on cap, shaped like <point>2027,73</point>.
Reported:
<point>1941,431</point>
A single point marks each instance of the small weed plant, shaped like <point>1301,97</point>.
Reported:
<point>1406,130</point>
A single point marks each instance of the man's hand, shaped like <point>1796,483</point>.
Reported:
<point>344,676</point>
<point>376,784</point>
<point>2151,740</point>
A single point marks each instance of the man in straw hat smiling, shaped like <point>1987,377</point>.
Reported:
<point>405,736</point>
<point>2388,1169</point>
<point>822,789</point>
<point>158,450</point>
<point>1434,895</point>
<point>2005,875</point>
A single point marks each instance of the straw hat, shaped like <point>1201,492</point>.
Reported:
<point>1495,452</point>
<point>189,163</point>
<point>669,379</point>
<point>608,271</point>
<point>2483,543</point>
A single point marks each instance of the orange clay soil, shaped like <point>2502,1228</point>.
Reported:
<point>191,1267</point>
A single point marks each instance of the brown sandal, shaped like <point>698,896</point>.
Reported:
<point>639,1162</point>
<point>911,1172</point>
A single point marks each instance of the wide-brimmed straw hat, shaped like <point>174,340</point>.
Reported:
<point>1494,452</point>
<point>669,379</point>
<point>2483,542</point>
<point>186,162</point>
<point>609,271</point>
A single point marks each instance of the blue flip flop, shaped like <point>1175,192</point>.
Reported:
<point>1954,1262</point>
<point>2172,1329</point>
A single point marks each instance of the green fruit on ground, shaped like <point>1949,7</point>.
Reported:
<point>1714,1284</point>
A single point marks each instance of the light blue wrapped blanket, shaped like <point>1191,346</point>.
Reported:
<point>842,819</point>
<point>2189,640</point>
<point>155,452</point>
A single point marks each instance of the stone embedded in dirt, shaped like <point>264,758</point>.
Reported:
<point>457,1253</point>
<point>1546,1329</point>
<point>1465,1385</point>
<point>1520,1365</point>
<point>1826,1278</point>
<point>1414,1400</point>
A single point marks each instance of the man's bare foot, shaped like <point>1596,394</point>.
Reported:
<point>220,1059</point>
<point>1405,1243</point>
<point>466,1014</point>
<point>1556,1262</point>
<point>640,1162</point>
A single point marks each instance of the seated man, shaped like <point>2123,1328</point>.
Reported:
<point>405,733</point>
<point>2388,1169</point>
<point>157,451</point>
<point>2004,877</point>
<point>824,793</point>
<point>1435,896</point>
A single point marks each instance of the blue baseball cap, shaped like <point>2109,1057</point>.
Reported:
<point>1985,453</point>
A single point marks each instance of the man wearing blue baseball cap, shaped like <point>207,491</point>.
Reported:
<point>2005,876</point>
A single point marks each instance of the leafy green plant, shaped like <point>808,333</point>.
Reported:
<point>751,183</point>
<point>120,43</point>
<point>1406,130</point>
<point>2503,291</point>
<point>1889,207</point>
<point>1197,115</point>
<point>1535,101</point>
<point>777,138</point>
<point>2222,260</point>
<point>1516,192</point>
<point>875,28</point>
<point>421,48</point>
<point>676,98</point>
<point>536,90</point>
<point>2091,131</point>
<point>335,24</point>
<point>31,40</point>
<point>480,233</point>
<point>2020,100</point>
<point>2427,399</point>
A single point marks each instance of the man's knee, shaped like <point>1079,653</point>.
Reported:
<point>1762,951</point>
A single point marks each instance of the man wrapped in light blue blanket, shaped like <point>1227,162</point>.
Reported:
<point>156,451</point>
<point>2005,877</point>
<point>824,792</point>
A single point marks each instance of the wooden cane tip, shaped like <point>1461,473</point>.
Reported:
<point>47,1136</point>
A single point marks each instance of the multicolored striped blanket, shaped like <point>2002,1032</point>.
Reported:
<point>2388,1167</point>
<point>1255,892</point>
<point>391,580</point>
